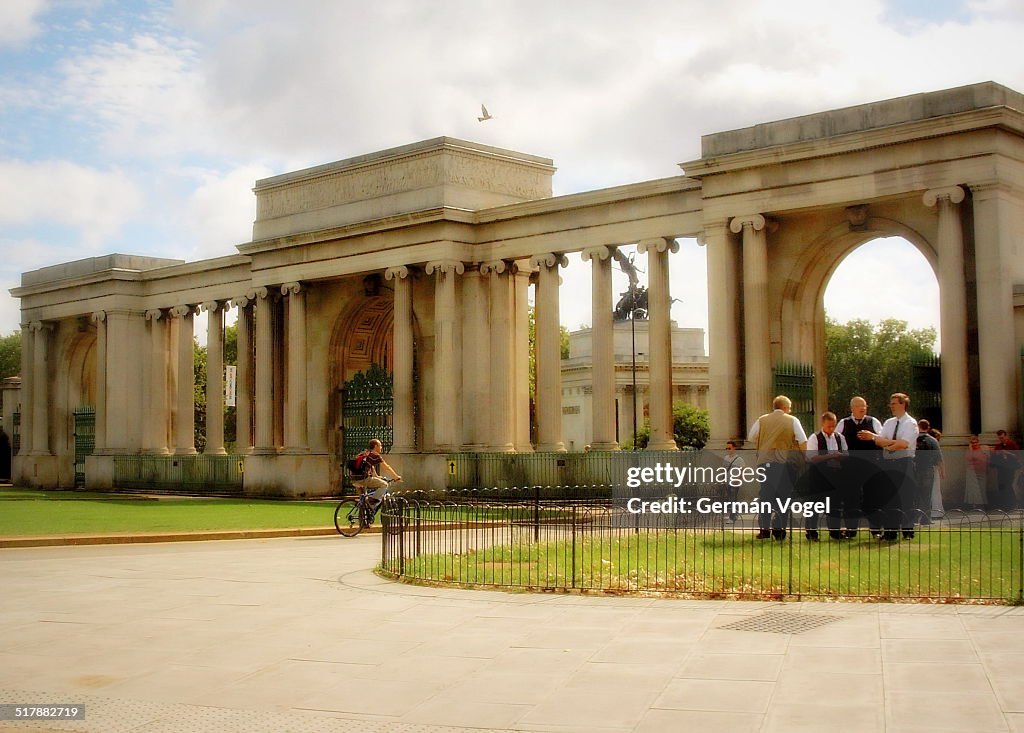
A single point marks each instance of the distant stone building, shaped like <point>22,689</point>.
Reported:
<point>689,379</point>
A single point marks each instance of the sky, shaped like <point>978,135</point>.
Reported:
<point>140,126</point>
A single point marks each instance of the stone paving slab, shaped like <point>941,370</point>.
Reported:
<point>298,634</point>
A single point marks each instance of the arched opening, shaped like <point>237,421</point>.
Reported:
<point>77,402</point>
<point>868,319</point>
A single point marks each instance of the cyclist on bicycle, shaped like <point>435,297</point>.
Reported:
<point>367,477</point>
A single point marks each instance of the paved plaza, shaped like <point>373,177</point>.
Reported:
<point>297,634</point>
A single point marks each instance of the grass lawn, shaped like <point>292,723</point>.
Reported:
<point>26,512</point>
<point>979,563</point>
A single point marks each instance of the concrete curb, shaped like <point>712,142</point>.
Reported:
<point>126,539</point>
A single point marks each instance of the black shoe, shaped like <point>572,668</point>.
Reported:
<point>890,536</point>
<point>836,534</point>
<point>812,535</point>
<point>908,535</point>
<point>876,533</point>
<point>763,534</point>
<point>779,534</point>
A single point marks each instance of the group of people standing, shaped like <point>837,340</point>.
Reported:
<point>887,474</point>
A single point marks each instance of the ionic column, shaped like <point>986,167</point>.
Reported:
<point>756,339</point>
<point>659,305</point>
<point>952,310</point>
<point>519,275</point>
<point>603,348</point>
<point>723,335</point>
<point>264,442</point>
<point>996,222</point>
<point>502,433</point>
<point>40,388</point>
<point>446,363</point>
<point>214,378</point>
<point>27,380</point>
<point>404,418</point>
<point>296,438</point>
<point>184,433</point>
<point>475,407</point>
<point>243,383</point>
<point>549,352</point>
<point>155,425</point>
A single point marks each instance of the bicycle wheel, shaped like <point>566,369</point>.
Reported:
<point>347,518</point>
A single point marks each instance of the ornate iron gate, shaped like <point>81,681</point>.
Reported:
<point>367,405</point>
<point>85,440</point>
<point>796,381</point>
<point>926,383</point>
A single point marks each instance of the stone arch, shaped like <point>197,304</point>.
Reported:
<point>803,308</point>
<point>75,386</point>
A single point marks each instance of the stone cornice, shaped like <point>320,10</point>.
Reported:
<point>857,141</point>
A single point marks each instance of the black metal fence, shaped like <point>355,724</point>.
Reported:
<point>582,540</point>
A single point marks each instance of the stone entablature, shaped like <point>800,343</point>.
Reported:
<point>440,173</point>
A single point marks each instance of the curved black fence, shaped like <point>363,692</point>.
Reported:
<point>579,538</point>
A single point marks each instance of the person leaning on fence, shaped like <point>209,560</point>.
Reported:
<point>928,466</point>
<point>368,465</point>
<point>825,451</point>
<point>778,437</point>
<point>898,441</point>
<point>734,464</point>
<point>1005,459</point>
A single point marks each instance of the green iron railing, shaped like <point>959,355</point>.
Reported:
<point>198,473</point>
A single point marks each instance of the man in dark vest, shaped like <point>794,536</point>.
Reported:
<point>825,451</point>
<point>778,437</point>
<point>860,469</point>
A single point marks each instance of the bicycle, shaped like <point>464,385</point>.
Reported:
<point>354,513</point>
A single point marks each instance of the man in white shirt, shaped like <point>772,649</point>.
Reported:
<point>898,441</point>
<point>825,451</point>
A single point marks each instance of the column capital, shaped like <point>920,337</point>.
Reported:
<point>953,194</point>
<point>243,301</point>
<point>180,311</point>
<point>495,267</point>
<point>446,267</point>
<point>154,314</point>
<point>601,252</point>
<point>260,293</point>
<point>292,288</point>
<point>549,259</point>
<point>97,316</point>
<point>212,306</point>
<point>41,326</point>
<point>397,273</point>
<point>756,221</point>
<point>658,244</point>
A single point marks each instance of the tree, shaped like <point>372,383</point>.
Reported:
<point>691,427</point>
<point>872,361</point>
<point>10,355</point>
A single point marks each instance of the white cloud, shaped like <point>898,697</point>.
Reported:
<point>221,210</point>
<point>95,203</point>
<point>18,20</point>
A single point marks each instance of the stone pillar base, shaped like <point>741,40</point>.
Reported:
<point>290,475</point>
<point>36,471</point>
<point>551,448</point>
<point>665,445</point>
<point>99,472</point>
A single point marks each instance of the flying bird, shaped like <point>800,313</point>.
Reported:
<point>486,114</point>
